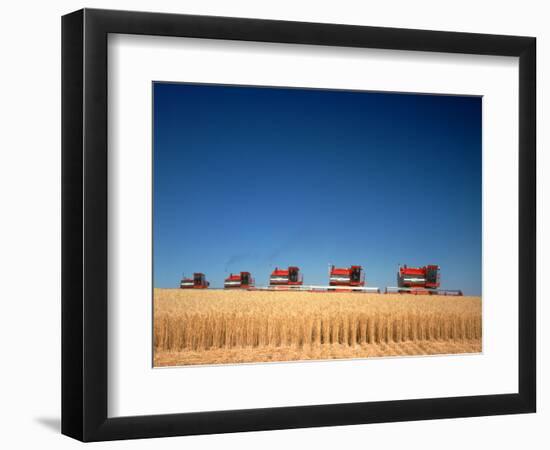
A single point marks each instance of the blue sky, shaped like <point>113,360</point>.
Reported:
<point>249,178</point>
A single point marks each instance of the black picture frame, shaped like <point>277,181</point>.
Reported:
<point>84,224</point>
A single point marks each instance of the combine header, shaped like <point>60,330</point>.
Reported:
<point>420,281</point>
<point>197,282</point>
<point>241,280</point>
<point>288,278</point>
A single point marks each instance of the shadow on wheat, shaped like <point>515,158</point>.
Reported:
<point>209,327</point>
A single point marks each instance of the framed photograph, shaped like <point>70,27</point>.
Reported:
<point>266,223</point>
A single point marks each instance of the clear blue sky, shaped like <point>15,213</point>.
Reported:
<point>249,178</point>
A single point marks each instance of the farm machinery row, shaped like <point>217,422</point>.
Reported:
<point>410,280</point>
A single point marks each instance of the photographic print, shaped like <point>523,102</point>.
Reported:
<point>294,224</point>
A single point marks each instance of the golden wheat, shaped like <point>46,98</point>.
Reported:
<point>211,326</point>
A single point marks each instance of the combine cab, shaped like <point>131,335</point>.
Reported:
<point>197,282</point>
<point>241,280</point>
<point>353,276</point>
<point>420,281</point>
<point>289,277</point>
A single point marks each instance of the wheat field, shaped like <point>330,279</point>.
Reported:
<point>223,327</point>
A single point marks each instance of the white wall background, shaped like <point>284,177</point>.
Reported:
<point>30,221</point>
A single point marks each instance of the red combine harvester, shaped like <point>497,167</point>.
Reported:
<point>197,282</point>
<point>289,277</point>
<point>420,281</point>
<point>241,280</point>
<point>353,276</point>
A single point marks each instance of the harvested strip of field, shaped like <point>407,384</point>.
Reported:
<point>216,327</point>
